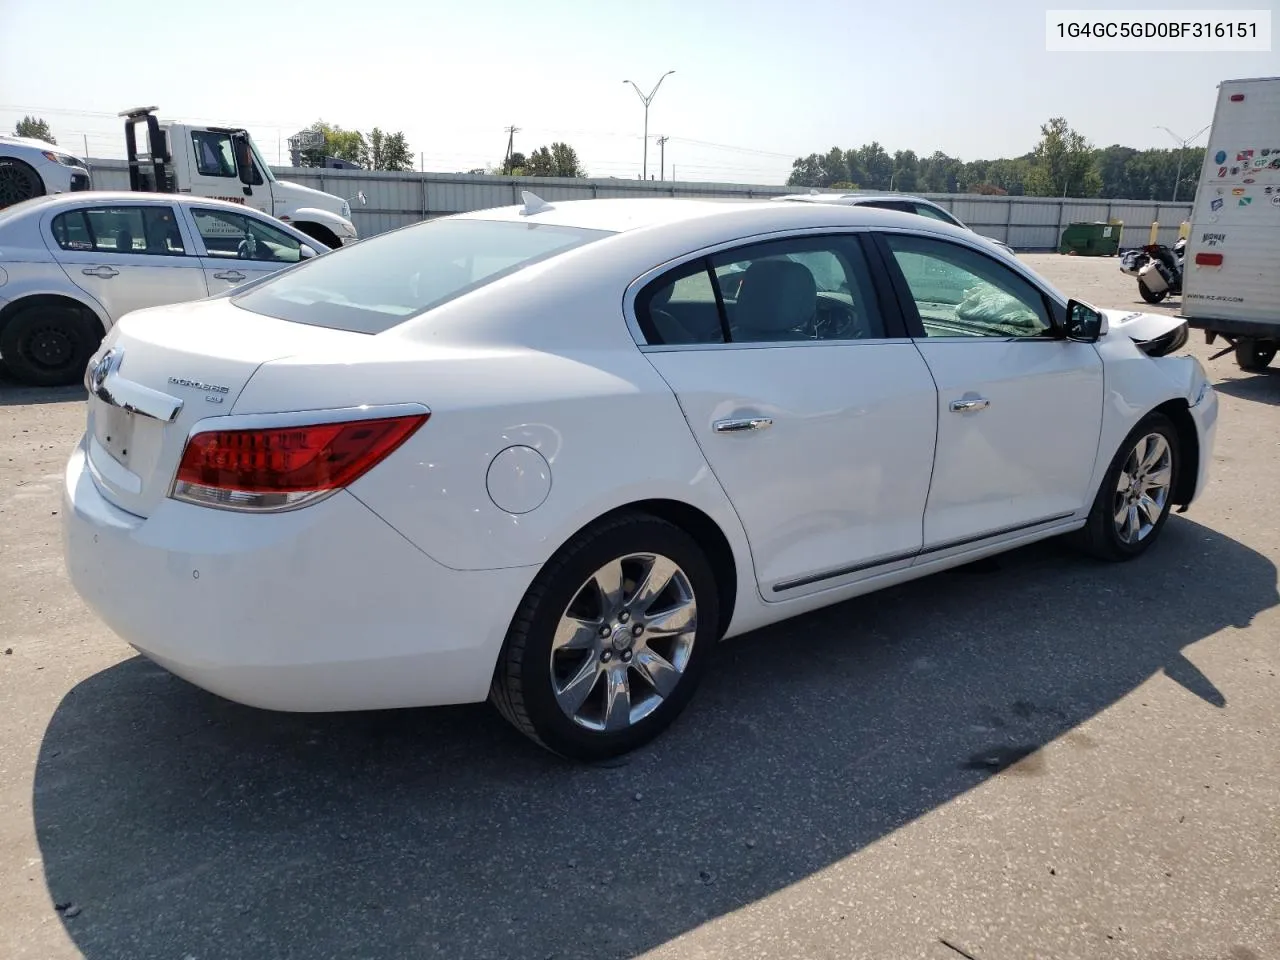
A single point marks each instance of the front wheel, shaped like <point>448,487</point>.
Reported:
<point>18,182</point>
<point>1255,354</point>
<point>1133,503</point>
<point>610,640</point>
<point>1149,295</point>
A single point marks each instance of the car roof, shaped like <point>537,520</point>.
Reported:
<point>744,216</point>
<point>90,197</point>
<point>856,198</point>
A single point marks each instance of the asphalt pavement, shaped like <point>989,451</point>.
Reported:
<point>1038,755</point>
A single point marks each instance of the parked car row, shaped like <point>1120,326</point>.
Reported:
<point>73,264</point>
<point>550,455</point>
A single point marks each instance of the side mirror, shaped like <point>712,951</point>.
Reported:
<point>305,252</point>
<point>1084,323</point>
<point>244,161</point>
<point>360,196</point>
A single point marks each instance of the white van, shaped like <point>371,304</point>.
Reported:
<point>1231,281</point>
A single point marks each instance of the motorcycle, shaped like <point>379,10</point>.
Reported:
<point>1158,269</point>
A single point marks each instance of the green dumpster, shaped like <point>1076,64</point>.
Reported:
<point>1097,239</point>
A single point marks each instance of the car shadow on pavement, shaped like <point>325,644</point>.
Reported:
<point>1263,387</point>
<point>14,394</point>
<point>175,824</point>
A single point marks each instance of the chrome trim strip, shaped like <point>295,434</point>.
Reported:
<point>306,418</point>
<point>916,554</point>
<point>103,380</point>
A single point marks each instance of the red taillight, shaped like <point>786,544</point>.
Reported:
<point>1208,259</point>
<point>285,466</point>
<point>1237,97</point>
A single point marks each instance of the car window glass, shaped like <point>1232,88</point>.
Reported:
<point>811,288</point>
<point>240,237</point>
<point>215,156</point>
<point>142,230</point>
<point>926,210</point>
<point>680,308</point>
<point>961,293</point>
<point>383,281</point>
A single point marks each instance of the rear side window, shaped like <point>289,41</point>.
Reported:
<point>383,281</point>
<point>146,230</point>
<point>810,288</point>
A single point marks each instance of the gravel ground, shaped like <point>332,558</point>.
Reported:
<point>1036,756</point>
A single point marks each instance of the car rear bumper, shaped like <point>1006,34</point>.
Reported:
<point>325,608</point>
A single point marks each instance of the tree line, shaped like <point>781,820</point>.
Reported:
<point>377,151</point>
<point>1063,164</point>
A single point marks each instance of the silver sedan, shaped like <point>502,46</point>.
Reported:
<point>71,265</point>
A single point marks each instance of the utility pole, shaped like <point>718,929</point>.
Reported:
<point>1182,145</point>
<point>662,157</point>
<point>511,148</point>
<point>644,170</point>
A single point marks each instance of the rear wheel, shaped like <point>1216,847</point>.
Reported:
<point>1149,295</point>
<point>1133,503</point>
<point>610,640</point>
<point>1254,354</point>
<point>47,346</point>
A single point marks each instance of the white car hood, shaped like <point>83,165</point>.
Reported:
<point>1140,326</point>
<point>308,197</point>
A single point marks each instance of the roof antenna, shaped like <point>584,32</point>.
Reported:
<point>532,203</point>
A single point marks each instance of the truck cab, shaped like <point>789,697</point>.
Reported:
<point>224,163</point>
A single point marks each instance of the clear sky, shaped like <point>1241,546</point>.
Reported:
<point>757,82</point>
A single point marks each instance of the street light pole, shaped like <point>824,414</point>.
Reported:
<point>646,101</point>
<point>1182,145</point>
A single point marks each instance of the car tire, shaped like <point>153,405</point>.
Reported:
<point>568,647</point>
<point>1150,295</point>
<point>1254,354</point>
<point>47,346</point>
<point>18,182</point>
<point>1104,535</point>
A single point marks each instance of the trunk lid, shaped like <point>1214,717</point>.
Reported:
<point>161,371</point>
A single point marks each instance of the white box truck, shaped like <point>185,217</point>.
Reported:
<point>1231,276</point>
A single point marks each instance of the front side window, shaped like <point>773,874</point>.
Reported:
<point>215,153</point>
<point>240,237</point>
<point>795,290</point>
<point>962,293</point>
<point>146,230</point>
<point>384,280</point>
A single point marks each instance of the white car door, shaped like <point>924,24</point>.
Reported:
<point>126,255</point>
<point>815,412</point>
<point>236,247</point>
<point>1019,409</point>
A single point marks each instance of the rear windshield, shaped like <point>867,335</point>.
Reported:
<point>383,281</point>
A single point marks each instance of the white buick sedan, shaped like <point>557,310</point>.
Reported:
<point>552,454</point>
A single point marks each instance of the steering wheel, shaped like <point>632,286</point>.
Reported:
<point>836,320</point>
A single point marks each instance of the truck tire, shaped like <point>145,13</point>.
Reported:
<point>1254,354</point>
<point>47,346</point>
<point>18,182</point>
<point>1150,295</point>
<point>318,231</point>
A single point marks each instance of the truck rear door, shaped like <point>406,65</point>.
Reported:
<point>1232,269</point>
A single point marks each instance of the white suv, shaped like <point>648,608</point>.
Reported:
<point>33,168</point>
<point>894,201</point>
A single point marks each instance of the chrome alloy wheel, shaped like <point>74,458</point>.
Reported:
<point>1142,491</point>
<point>623,643</point>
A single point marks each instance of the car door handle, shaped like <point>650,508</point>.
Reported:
<point>969,405</point>
<point>102,273</point>
<point>742,425</point>
<point>235,276</point>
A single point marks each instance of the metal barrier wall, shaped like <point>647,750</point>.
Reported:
<point>397,199</point>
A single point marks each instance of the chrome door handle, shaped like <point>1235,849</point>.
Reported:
<point>743,424</point>
<point>968,406</point>
<point>102,273</point>
<point>235,276</point>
